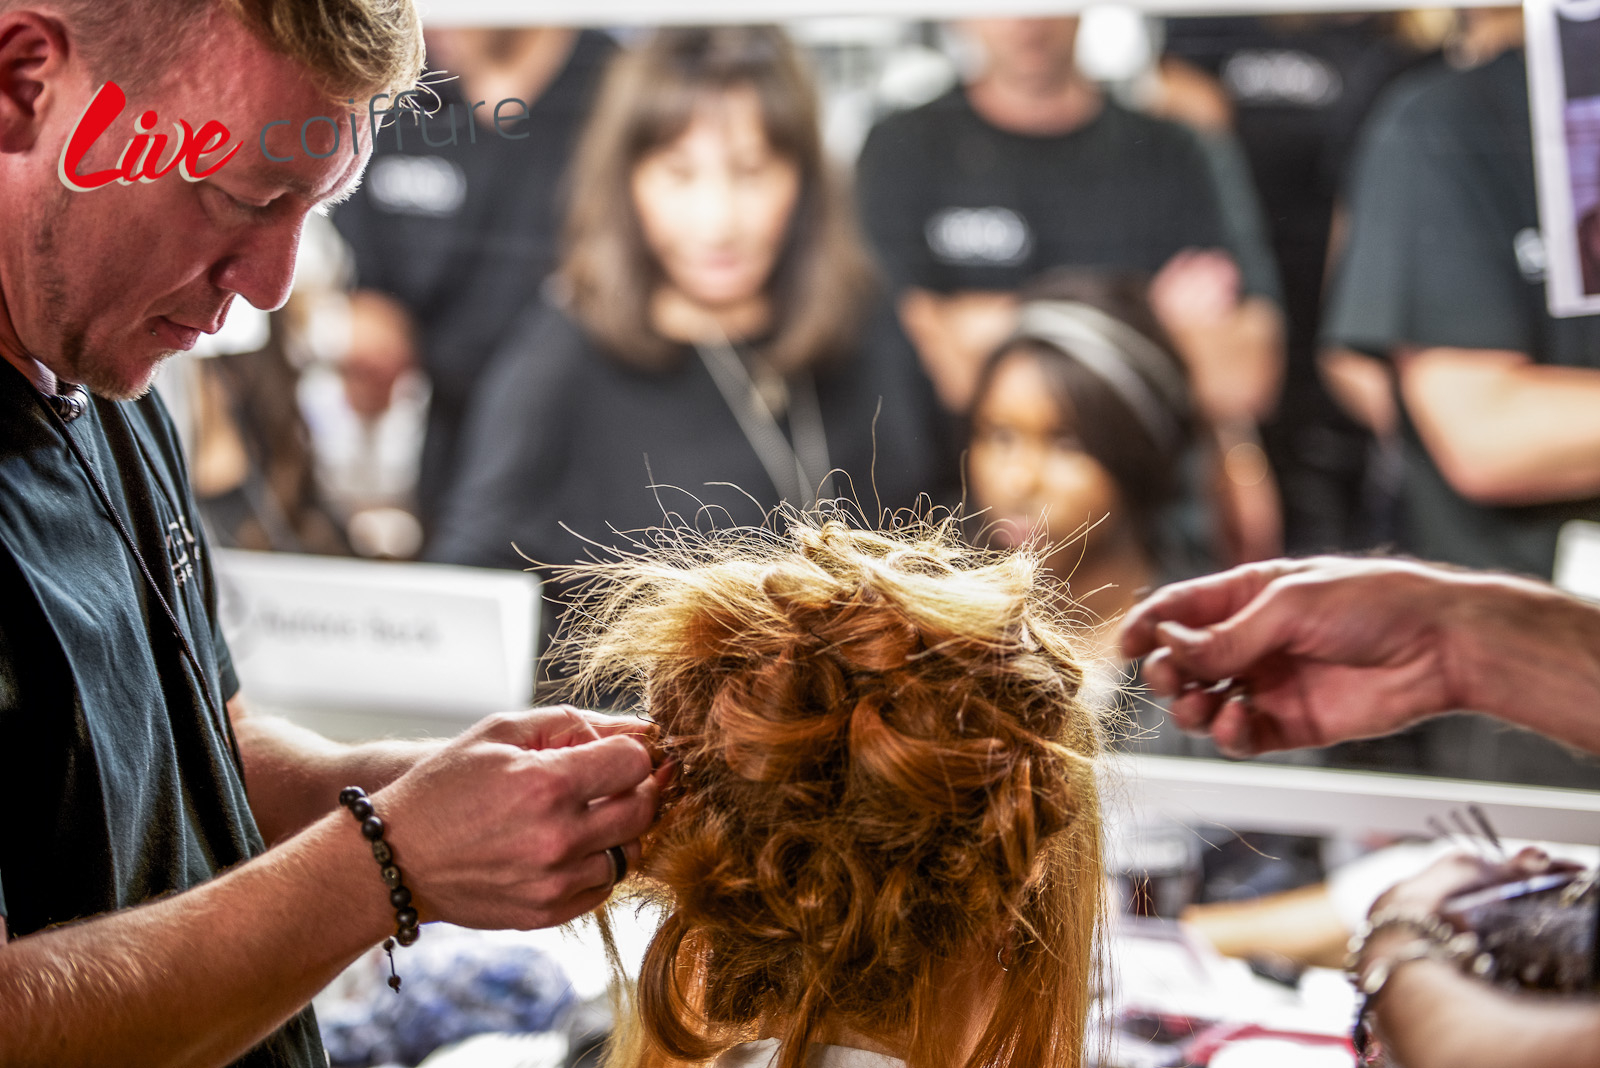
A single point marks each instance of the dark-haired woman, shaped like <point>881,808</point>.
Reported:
<point>1080,430</point>
<point>713,346</point>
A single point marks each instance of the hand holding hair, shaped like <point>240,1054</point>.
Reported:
<point>509,826</point>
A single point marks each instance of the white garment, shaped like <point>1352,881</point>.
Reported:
<point>764,1053</point>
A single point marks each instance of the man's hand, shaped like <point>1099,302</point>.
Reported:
<point>507,826</point>
<point>1298,653</point>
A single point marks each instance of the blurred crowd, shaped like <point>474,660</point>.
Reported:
<point>1160,296</point>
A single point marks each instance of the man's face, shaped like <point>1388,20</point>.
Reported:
<point>1039,50</point>
<point>101,286</point>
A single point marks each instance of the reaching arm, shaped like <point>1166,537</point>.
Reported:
<point>1503,430</point>
<point>504,827</point>
<point>1288,654</point>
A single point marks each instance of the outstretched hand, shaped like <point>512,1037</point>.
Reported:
<point>507,826</point>
<point>1287,654</point>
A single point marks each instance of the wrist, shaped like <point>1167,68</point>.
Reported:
<point>1508,638</point>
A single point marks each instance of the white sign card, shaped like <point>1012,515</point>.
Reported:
<point>318,633</point>
<point>1577,568</point>
<point>1564,92</point>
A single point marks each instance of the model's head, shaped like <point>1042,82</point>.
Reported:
<point>884,821</point>
<point>1079,422</point>
<point>103,282</point>
<point>701,176</point>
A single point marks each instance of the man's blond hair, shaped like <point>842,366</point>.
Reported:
<point>351,47</point>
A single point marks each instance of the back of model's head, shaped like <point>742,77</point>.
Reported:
<point>650,97</point>
<point>349,46</point>
<point>885,788</point>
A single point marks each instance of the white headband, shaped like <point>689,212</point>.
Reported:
<point>1130,364</point>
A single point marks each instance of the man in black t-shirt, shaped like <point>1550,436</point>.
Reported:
<point>458,221</point>
<point>1030,167</point>
<point>143,916</point>
<point>1444,274</point>
<point>1300,89</point>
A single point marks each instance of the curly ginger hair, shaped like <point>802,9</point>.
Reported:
<point>886,788</point>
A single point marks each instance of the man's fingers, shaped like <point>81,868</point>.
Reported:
<point>1195,710</point>
<point>1236,646</point>
<point>1199,602</point>
<point>607,725</point>
<point>604,767</point>
<point>596,869</point>
<point>620,818</point>
<point>1242,731</point>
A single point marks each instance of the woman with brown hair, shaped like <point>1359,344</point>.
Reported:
<point>713,345</point>
<point>881,846</point>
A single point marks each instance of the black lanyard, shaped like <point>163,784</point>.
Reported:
<point>213,704</point>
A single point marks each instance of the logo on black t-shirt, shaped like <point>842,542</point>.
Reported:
<point>418,185</point>
<point>182,550</point>
<point>1532,259</point>
<point>991,237</point>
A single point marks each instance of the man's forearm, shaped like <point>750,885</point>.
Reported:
<point>196,978</point>
<point>294,775</point>
<point>1526,653</point>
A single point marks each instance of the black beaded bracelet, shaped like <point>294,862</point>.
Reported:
<point>355,799</point>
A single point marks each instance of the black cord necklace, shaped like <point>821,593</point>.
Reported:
<point>63,408</point>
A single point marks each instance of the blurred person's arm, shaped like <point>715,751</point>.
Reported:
<point>1429,1015</point>
<point>382,348</point>
<point>954,334</point>
<point>1363,386</point>
<point>1232,343</point>
<point>1432,1016</point>
<point>1502,429</point>
<point>1299,924</point>
<point>1187,94</point>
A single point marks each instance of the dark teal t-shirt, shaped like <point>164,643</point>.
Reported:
<point>117,777</point>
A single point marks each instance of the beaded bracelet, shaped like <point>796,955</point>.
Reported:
<point>355,799</point>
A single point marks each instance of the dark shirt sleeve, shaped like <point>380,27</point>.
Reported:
<point>891,197</point>
<point>516,443</point>
<point>1244,224</point>
<point>1421,267</point>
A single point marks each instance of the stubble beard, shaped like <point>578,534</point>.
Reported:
<point>73,361</point>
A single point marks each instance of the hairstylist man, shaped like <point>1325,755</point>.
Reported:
<point>132,803</point>
<point>1323,650</point>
